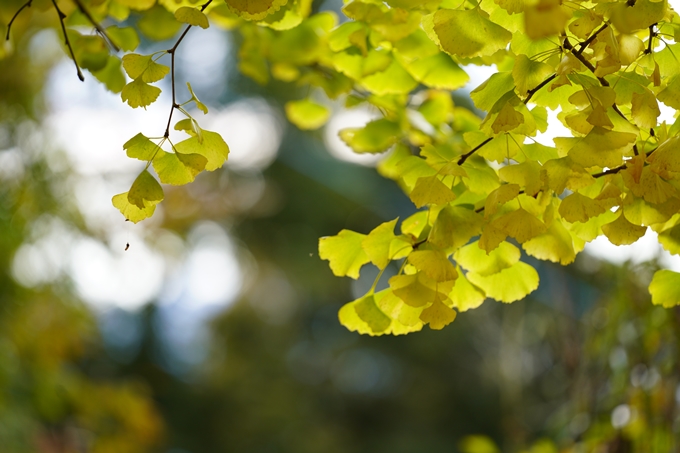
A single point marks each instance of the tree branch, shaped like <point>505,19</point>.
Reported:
<point>464,157</point>
<point>533,91</point>
<point>96,25</point>
<point>62,16</point>
<point>172,52</point>
<point>9,26</point>
<point>591,38</point>
<point>652,34</point>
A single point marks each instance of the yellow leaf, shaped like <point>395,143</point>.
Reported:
<point>255,9</point>
<point>508,119</point>
<point>434,264</point>
<point>345,253</point>
<point>139,94</point>
<point>645,109</point>
<point>473,258</point>
<point>528,74</point>
<point>622,232</point>
<point>464,295</point>
<point>545,18</point>
<point>382,245</point>
<point>306,114</point>
<point>364,316</point>
<point>430,190</point>
<point>468,33</point>
<point>579,208</point>
<point>415,290</point>
<point>438,315</point>
<point>498,197</point>
<point>519,224</point>
<point>491,237</point>
<point>510,284</point>
<point>192,16</point>
<point>602,148</point>
<point>665,161</point>
<point>665,288</point>
<point>651,187</point>
<point>455,226</point>
<point>131,212</point>
<point>556,245</point>
<point>564,173</point>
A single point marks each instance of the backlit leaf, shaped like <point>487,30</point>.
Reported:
<point>622,232</point>
<point>510,284</point>
<point>192,16</point>
<point>438,315</point>
<point>211,146</point>
<point>473,258</point>
<point>434,264</point>
<point>345,253</point>
<point>145,191</point>
<point>665,288</point>
<point>307,114</point>
<point>139,94</point>
<point>430,190</point>
<point>468,33</point>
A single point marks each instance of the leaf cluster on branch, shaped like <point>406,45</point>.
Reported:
<point>484,187</point>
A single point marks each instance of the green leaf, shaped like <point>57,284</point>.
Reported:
<point>382,245</point>
<point>158,24</point>
<point>125,38</point>
<point>131,212</point>
<point>201,106</point>
<point>143,66</point>
<point>528,74</point>
<point>177,168</point>
<point>192,16</point>
<point>468,33</point>
<point>211,146</point>
<point>140,147</point>
<point>375,137</point>
<point>665,288</point>
<point>345,253</point>
<point>145,191</point>
<point>430,190</point>
<point>394,80</point>
<point>111,75</point>
<point>255,9</point>
<point>307,114</point>
<point>139,94</point>
<point>438,71</point>
<point>510,284</point>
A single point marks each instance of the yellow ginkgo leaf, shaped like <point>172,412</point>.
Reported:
<point>510,284</point>
<point>438,315</point>
<point>468,33</point>
<point>645,109</point>
<point>603,148</point>
<point>499,197</point>
<point>464,295</point>
<point>382,245</point>
<point>665,288</point>
<point>345,253</point>
<point>529,73</point>
<point>364,316</point>
<point>579,208</point>
<point>455,226</point>
<point>508,119</point>
<point>651,186</point>
<point>473,258</point>
<point>434,264</point>
<point>556,245</point>
<point>255,9</point>
<point>415,290</point>
<point>665,161</point>
<point>430,190</point>
<point>520,225</point>
<point>622,232</point>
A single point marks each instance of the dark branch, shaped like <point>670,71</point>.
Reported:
<point>62,16</point>
<point>95,24</point>
<point>611,171</point>
<point>9,26</point>
<point>172,52</point>
<point>533,91</point>
<point>591,38</point>
<point>464,157</point>
<point>567,45</point>
<point>652,34</point>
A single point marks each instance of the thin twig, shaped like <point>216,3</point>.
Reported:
<point>652,34</point>
<point>533,91</point>
<point>96,25</point>
<point>172,52</point>
<point>9,26</point>
<point>464,157</point>
<point>62,16</point>
<point>591,38</point>
<point>567,45</point>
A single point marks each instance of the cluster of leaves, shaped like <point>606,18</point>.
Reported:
<point>604,66</point>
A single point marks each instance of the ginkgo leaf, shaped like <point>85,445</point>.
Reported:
<point>468,33</point>
<point>622,232</point>
<point>131,212</point>
<point>125,38</point>
<point>415,289</point>
<point>192,16</point>
<point>665,161</point>
<point>307,114</point>
<point>473,258</point>
<point>143,66</point>
<point>382,245</point>
<point>602,148</point>
<point>510,284</point>
<point>545,18</point>
<point>526,175</point>
<point>211,146</point>
<point>455,226</point>
<point>464,295</point>
<point>434,264</point>
<point>201,106</point>
<point>665,288</point>
<point>565,173</point>
<point>645,109</point>
<point>375,137</point>
<point>344,252</point>
<point>145,190</point>
<point>430,190</point>
<point>177,168</point>
<point>508,119</point>
<point>139,94</point>
<point>556,245</point>
<point>364,316</point>
<point>671,94</point>
<point>438,71</point>
<point>520,225</point>
<point>493,89</point>
<point>438,315</point>
<point>499,197</point>
<point>650,186</point>
<point>140,147</point>
<point>393,80</point>
<point>579,208</point>
<point>405,319</point>
<point>255,9</point>
<point>528,74</point>
<point>637,16</point>
<point>670,239</point>
<point>157,23</point>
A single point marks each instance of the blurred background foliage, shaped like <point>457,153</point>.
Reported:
<point>586,364</point>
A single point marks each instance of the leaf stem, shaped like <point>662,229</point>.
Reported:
<point>62,16</point>
<point>172,52</point>
<point>9,25</point>
<point>96,24</point>
<point>533,91</point>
